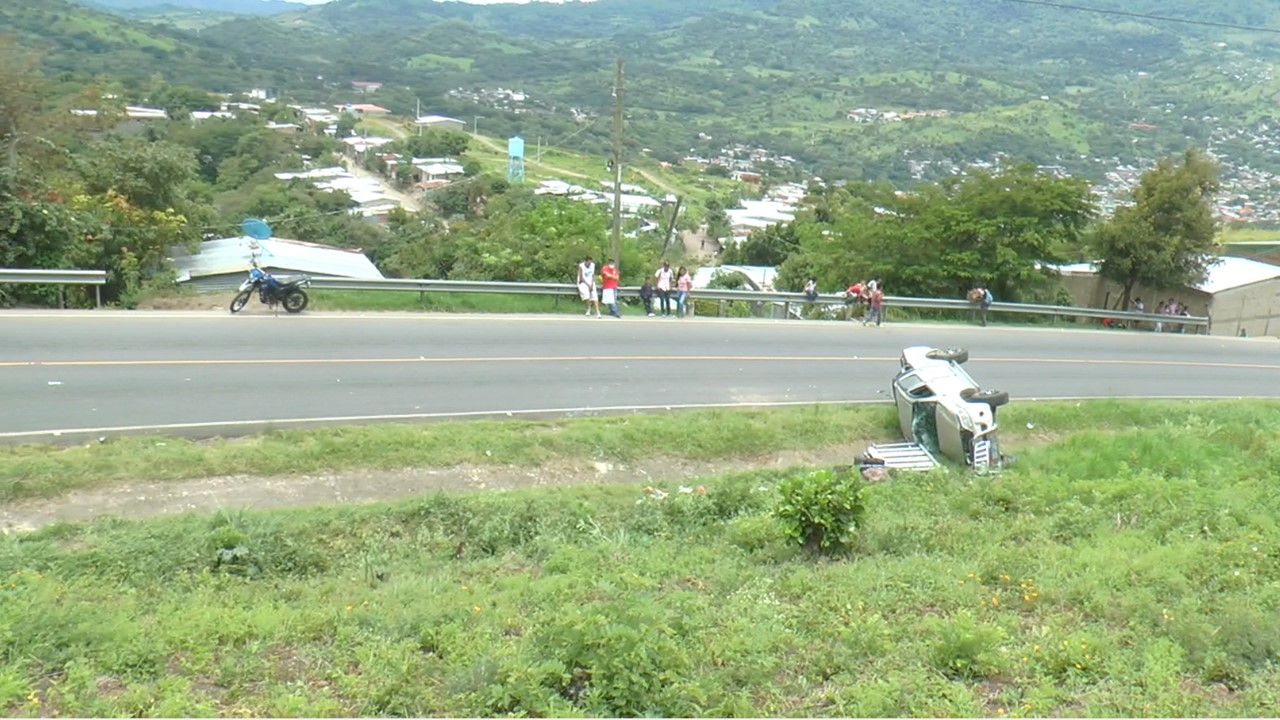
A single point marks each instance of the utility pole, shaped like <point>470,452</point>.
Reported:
<point>617,165</point>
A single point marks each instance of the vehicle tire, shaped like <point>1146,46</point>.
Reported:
<point>238,303</point>
<point>295,302</point>
<point>994,398</point>
<point>955,355</point>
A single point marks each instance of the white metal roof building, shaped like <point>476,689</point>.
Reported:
<point>224,263</point>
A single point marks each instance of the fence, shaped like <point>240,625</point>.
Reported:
<point>96,278</point>
<point>789,301</point>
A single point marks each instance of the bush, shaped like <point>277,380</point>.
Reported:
<point>963,649</point>
<point>822,510</point>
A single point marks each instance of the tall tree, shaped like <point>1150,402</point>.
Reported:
<point>1165,239</point>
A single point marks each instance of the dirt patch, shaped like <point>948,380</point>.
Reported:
<point>145,499</point>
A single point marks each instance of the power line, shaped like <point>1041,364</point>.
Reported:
<point>1145,16</point>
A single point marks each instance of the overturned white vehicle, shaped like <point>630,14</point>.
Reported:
<point>942,410</point>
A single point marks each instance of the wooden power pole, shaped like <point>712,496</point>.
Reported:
<point>617,166</point>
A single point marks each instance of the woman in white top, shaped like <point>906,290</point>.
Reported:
<point>587,285</point>
<point>663,279</point>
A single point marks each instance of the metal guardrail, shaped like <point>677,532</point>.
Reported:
<point>97,278</point>
<point>787,299</point>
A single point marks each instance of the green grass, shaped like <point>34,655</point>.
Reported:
<point>46,470</point>
<point>428,60</point>
<point>1125,566</point>
<point>440,302</point>
<point>1241,234</point>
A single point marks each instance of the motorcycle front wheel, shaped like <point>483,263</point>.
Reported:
<point>238,303</point>
<point>295,302</point>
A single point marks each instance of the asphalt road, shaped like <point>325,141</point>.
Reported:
<point>101,372</point>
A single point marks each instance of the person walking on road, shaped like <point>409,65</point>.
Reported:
<point>609,288</point>
<point>664,279</point>
<point>587,285</point>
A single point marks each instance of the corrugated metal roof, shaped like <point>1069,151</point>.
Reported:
<point>1233,272</point>
<point>1226,273</point>
<point>230,255</point>
<point>762,276</point>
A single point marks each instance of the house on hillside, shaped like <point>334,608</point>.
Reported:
<point>357,144</point>
<point>362,109</point>
<point>224,263</point>
<point>1240,296</point>
<point>440,122</point>
<point>433,172</point>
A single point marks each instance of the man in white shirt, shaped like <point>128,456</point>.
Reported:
<point>662,285</point>
<point>587,285</point>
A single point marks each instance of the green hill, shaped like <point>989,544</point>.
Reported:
<point>973,77</point>
<point>84,42</point>
<point>1049,84</point>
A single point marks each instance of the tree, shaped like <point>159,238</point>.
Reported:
<point>436,143</point>
<point>769,247</point>
<point>1166,238</point>
<point>21,97</point>
<point>1000,229</point>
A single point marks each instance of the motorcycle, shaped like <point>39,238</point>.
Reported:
<point>271,291</point>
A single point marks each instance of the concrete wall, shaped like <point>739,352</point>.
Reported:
<point>1252,310</point>
<point>1088,290</point>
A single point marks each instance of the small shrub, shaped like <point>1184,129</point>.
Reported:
<point>963,649</point>
<point>617,659</point>
<point>755,532</point>
<point>822,510</point>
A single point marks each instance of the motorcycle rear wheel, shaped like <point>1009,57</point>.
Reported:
<point>295,302</point>
<point>238,303</point>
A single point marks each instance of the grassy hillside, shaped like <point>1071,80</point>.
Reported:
<point>1125,566</point>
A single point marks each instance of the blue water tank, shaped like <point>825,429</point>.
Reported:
<point>515,147</point>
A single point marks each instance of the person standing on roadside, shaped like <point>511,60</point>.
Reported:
<point>587,285</point>
<point>684,286</point>
<point>646,297</point>
<point>875,306</point>
<point>609,288</point>
<point>664,279</point>
<point>980,298</point>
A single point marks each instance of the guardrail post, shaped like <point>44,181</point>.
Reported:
<point>97,296</point>
<point>724,308</point>
<point>62,303</point>
<point>786,310</point>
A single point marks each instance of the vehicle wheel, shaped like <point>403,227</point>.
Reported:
<point>994,398</point>
<point>955,355</point>
<point>295,302</point>
<point>238,303</point>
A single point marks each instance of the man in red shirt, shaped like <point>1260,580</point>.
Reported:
<point>609,288</point>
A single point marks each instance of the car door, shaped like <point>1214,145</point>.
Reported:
<point>909,390</point>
